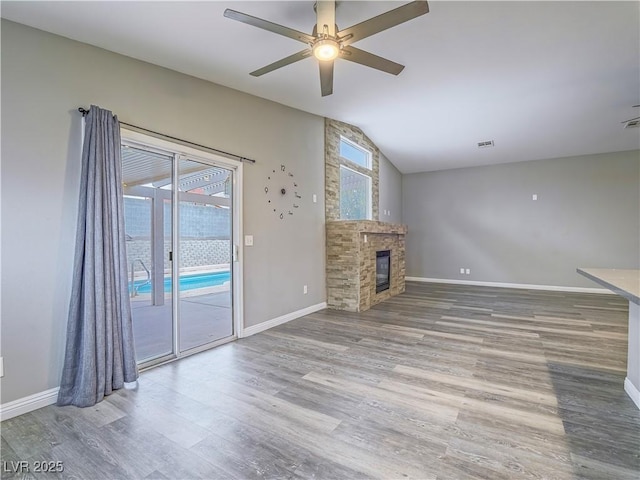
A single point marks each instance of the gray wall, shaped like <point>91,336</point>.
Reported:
<point>390,192</point>
<point>587,215</point>
<point>44,79</point>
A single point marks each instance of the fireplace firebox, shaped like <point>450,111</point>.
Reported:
<point>383,270</point>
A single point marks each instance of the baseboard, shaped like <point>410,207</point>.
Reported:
<point>632,391</point>
<point>261,327</point>
<point>552,288</point>
<point>28,404</point>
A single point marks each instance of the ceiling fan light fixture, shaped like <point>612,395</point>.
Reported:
<point>326,49</point>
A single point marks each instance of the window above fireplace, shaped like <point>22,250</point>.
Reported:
<point>355,181</point>
<point>353,152</point>
<point>352,173</point>
<point>355,195</point>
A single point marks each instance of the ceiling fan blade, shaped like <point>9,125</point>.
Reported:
<point>269,26</point>
<point>367,59</point>
<point>326,77</point>
<point>631,120</point>
<point>296,57</point>
<point>383,21</point>
<point>326,15</point>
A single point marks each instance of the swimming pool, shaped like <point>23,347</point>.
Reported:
<point>188,282</point>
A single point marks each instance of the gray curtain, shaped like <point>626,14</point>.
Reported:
<point>99,355</point>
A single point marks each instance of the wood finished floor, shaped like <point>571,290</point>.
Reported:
<point>442,382</point>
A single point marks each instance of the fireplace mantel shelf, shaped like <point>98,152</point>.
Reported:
<point>367,226</point>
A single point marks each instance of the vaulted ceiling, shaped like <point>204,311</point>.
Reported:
<point>541,79</point>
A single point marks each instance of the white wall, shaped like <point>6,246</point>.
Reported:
<point>44,79</point>
<point>390,192</point>
<point>483,218</point>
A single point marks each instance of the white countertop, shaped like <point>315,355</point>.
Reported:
<point>621,281</point>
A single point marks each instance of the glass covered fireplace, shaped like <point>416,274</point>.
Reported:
<point>383,270</point>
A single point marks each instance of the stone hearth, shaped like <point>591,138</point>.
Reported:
<point>351,262</point>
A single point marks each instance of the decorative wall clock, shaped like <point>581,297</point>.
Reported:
<point>282,192</point>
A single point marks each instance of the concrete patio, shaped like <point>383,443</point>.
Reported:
<point>203,319</point>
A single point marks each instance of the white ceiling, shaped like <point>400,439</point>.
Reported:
<point>541,79</point>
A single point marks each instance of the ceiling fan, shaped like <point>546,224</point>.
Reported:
<point>326,43</point>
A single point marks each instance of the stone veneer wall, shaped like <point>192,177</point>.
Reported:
<point>351,262</point>
<point>333,130</point>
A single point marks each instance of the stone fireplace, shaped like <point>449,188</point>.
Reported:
<point>353,248</point>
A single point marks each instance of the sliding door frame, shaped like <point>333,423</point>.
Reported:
<point>180,151</point>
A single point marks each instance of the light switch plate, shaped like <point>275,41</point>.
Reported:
<point>248,240</point>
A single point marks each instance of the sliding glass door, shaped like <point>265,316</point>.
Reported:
<point>147,189</point>
<point>204,237</point>
<point>180,222</point>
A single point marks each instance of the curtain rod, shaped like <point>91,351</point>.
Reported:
<point>84,112</point>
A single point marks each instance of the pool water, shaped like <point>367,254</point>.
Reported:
<point>189,282</point>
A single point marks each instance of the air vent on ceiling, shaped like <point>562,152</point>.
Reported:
<point>486,144</point>
<point>635,123</point>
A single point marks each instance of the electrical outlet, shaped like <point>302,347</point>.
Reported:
<point>315,198</point>
<point>468,271</point>
<point>248,240</point>
<point>534,197</point>
<point>462,271</point>
<point>304,289</point>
